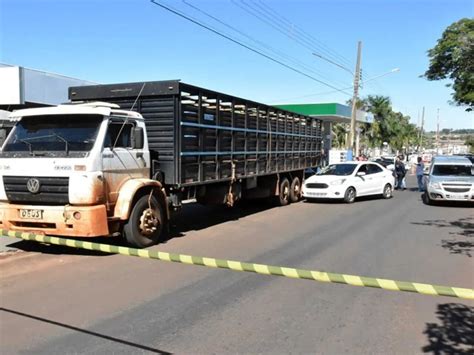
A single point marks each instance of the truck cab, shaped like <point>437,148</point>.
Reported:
<point>79,170</point>
<point>6,126</point>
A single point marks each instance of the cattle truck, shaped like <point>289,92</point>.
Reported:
<point>119,159</point>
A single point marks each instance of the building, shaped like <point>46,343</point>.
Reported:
<point>330,113</point>
<point>23,88</point>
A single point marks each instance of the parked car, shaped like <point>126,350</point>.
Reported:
<point>450,178</point>
<point>386,162</point>
<point>349,180</point>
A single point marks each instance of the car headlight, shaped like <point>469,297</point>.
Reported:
<point>435,185</point>
<point>338,182</point>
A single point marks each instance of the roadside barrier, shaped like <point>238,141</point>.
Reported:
<point>391,285</point>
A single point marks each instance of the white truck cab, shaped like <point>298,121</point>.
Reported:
<point>80,170</point>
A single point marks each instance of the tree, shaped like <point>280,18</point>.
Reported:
<point>452,58</point>
<point>339,130</point>
<point>470,143</point>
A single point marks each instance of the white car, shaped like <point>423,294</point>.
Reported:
<point>451,178</point>
<point>349,180</point>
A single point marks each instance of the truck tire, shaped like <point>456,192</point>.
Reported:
<point>295,190</point>
<point>350,195</point>
<point>144,226</point>
<point>284,197</point>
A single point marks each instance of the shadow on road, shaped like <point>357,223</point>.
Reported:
<point>461,241</point>
<point>36,247</point>
<point>455,332</point>
<point>103,336</point>
<point>334,201</point>
<point>194,216</point>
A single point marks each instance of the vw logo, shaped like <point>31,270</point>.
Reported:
<point>33,185</point>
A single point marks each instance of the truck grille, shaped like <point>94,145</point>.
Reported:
<point>52,190</point>
<point>316,186</point>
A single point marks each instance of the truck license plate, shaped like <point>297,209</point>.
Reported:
<point>31,214</point>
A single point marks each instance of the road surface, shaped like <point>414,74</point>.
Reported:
<point>57,300</point>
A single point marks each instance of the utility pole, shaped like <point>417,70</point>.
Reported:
<point>350,145</point>
<point>422,124</point>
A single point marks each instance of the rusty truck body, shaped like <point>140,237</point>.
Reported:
<point>120,158</point>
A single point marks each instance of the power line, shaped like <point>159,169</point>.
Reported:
<point>318,43</point>
<point>276,24</point>
<point>309,95</point>
<point>196,22</point>
<point>260,43</point>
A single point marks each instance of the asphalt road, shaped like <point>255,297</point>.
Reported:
<point>57,301</point>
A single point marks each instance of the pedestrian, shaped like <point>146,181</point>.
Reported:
<point>400,173</point>
<point>420,167</point>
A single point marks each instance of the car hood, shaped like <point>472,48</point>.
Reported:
<point>325,179</point>
<point>453,179</point>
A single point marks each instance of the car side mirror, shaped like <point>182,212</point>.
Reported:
<point>360,173</point>
<point>138,138</point>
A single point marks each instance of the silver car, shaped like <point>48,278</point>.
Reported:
<point>451,178</point>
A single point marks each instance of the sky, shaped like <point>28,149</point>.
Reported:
<point>113,41</point>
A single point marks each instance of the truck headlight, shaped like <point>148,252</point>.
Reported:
<point>338,182</point>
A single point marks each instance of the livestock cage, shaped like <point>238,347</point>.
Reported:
<point>199,136</point>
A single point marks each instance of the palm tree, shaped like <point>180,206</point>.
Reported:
<point>339,131</point>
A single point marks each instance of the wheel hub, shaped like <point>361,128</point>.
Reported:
<point>148,222</point>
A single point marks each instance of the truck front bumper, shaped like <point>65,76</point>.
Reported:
<point>73,221</point>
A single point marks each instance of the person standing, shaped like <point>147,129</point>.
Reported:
<point>420,167</point>
<point>400,173</point>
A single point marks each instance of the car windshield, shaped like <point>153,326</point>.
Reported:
<point>58,135</point>
<point>338,169</point>
<point>455,170</point>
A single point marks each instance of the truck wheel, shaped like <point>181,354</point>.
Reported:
<point>145,225</point>
<point>284,197</point>
<point>295,190</point>
<point>350,195</point>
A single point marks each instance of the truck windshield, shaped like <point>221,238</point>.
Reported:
<point>54,135</point>
<point>338,169</point>
<point>456,170</point>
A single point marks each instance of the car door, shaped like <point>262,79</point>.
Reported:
<point>361,182</point>
<point>376,179</point>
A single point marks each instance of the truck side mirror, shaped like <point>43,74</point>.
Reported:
<point>138,138</point>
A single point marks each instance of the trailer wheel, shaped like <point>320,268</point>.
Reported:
<point>284,197</point>
<point>295,190</point>
<point>145,225</point>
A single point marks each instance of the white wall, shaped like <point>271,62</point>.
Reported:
<point>10,85</point>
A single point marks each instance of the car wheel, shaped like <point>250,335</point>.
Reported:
<point>426,198</point>
<point>387,191</point>
<point>350,195</point>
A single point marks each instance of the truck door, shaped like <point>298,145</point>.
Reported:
<point>121,162</point>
